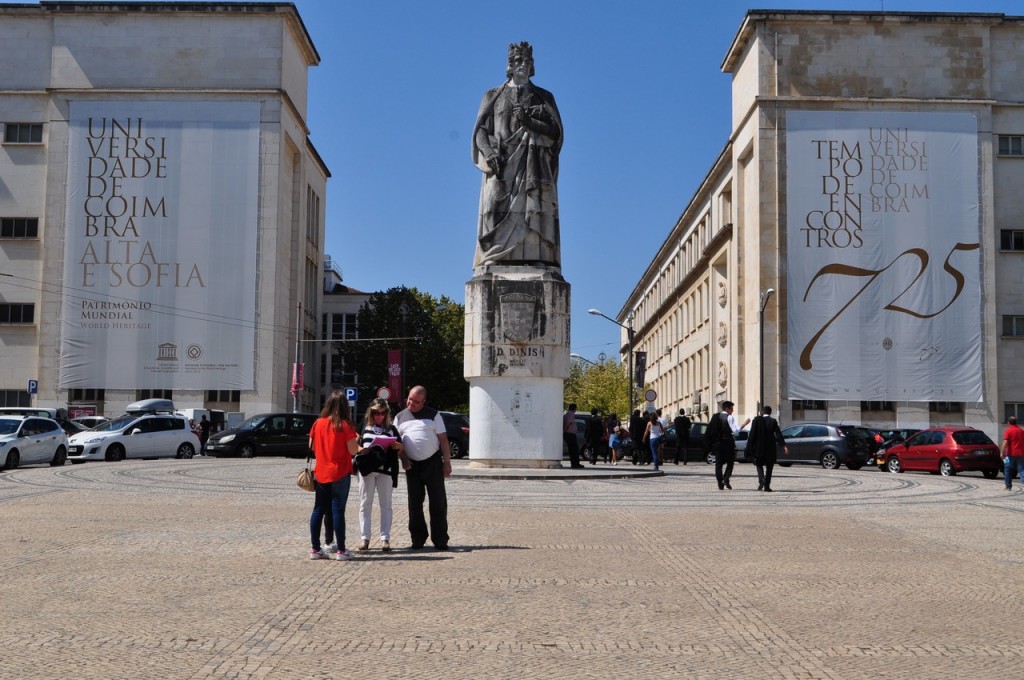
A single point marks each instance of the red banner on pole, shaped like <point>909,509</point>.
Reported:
<point>298,373</point>
<point>395,376</point>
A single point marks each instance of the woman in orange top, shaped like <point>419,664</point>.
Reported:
<point>334,441</point>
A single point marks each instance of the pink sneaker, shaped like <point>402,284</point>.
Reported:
<point>343,555</point>
<point>317,555</point>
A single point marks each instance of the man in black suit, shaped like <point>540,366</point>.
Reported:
<point>764,436</point>
<point>682,425</point>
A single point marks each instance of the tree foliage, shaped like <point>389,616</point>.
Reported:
<point>603,386</point>
<point>432,329</point>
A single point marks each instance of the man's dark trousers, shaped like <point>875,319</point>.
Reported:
<point>574,450</point>
<point>726,459</point>
<point>426,478</point>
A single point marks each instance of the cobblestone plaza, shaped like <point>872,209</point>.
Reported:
<point>198,568</point>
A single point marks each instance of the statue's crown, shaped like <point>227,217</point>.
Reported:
<point>523,49</point>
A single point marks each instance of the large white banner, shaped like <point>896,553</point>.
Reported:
<point>884,260</point>
<point>160,245</point>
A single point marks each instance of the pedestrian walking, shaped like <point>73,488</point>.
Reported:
<point>569,436</point>
<point>720,437</point>
<point>682,425</point>
<point>765,438</point>
<point>1012,452</point>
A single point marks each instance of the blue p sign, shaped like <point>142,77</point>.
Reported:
<point>33,387</point>
<point>350,394</point>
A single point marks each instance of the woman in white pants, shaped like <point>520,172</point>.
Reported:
<point>378,472</point>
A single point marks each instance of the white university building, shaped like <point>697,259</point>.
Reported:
<point>872,180</point>
<point>161,206</point>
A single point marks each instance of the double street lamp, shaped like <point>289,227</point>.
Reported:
<point>765,294</point>
<point>629,338</point>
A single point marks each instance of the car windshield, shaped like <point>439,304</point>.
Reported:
<point>969,437</point>
<point>9,425</point>
<point>116,424</point>
<point>252,423</point>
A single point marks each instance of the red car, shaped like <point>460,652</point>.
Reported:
<point>947,451</point>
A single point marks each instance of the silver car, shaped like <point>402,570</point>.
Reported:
<point>26,440</point>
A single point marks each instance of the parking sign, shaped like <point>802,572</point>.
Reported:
<point>33,387</point>
<point>350,394</point>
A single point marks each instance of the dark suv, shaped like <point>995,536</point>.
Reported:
<point>456,427</point>
<point>268,434</point>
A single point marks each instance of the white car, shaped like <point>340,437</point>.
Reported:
<point>150,429</point>
<point>26,440</point>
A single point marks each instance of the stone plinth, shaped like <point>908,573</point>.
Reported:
<point>516,361</point>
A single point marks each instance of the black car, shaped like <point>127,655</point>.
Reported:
<point>696,445</point>
<point>268,434</point>
<point>827,444</point>
<point>456,427</point>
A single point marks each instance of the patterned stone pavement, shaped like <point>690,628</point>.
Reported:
<point>198,568</point>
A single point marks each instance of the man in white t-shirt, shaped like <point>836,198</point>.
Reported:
<point>426,460</point>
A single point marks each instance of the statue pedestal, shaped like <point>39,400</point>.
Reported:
<point>516,361</point>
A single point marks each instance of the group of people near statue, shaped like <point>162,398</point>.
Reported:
<point>645,438</point>
<point>413,441</point>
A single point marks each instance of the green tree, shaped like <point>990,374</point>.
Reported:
<point>603,386</point>
<point>432,329</point>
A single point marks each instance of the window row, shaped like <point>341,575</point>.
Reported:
<point>19,227</point>
<point>17,312</point>
<point>23,133</point>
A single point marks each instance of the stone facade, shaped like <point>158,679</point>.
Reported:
<point>257,53</point>
<point>732,235</point>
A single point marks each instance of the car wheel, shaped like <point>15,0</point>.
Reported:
<point>455,448</point>
<point>185,450</point>
<point>946,468</point>
<point>13,458</point>
<point>990,474</point>
<point>60,457</point>
<point>829,460</point>
<point>893,464</point>
<point>115,453</point>
<point>247,450</point>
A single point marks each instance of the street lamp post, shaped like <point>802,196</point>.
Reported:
<point>765,294</point>
<point>583,359</point>
<point>629,339</point>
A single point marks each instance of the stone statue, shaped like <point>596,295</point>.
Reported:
<point>516,142</point>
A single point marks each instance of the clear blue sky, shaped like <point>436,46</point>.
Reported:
<point>643,100</point>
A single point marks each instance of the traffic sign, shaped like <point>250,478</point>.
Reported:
<point>350,394</point>
<point>33,387</point>
<point>384,393</point>
<point>650,395</point>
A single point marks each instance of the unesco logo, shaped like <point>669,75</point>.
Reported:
<point>194,352</point>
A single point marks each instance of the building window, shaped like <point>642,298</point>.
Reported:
<point>876,406</point>
<point>19,227</point>
<point>1015,409</point>
<point>223,395</point>
<point>15,398</point>
<point>87,395</point>
<point>1013,326</point>
<point>153,394</point>
<point>945,407</point>
<point>808,405</point>
<point>23,133</point>
<point>1011,239</point>
<point>14,312</point>
<point>1011,145</point>
<point>312,216</point>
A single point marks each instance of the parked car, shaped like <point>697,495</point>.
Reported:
<point>148,429</point>
<point>697,443</point>
<point>90,421</point>
<point>890,437</point>
<point>456,427</point>
<point>947,451</point>
<point>58,414</point>
<point>26,440</point>
<point>266,434</point>
<point>826,444</point>
<point>873,436</point>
